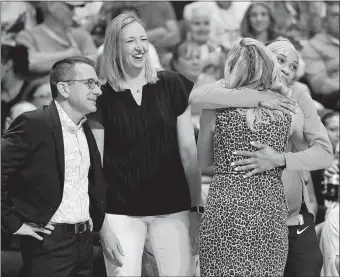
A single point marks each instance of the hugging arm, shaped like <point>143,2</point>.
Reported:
<point>217,95</point>
<point>319,153</point>
<point>314,148</point>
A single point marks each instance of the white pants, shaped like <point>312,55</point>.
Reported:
<point>168,236</point>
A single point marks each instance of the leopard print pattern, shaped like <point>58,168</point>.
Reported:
<point>243,230</point>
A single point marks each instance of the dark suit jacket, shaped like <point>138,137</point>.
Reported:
<point>32,171</point>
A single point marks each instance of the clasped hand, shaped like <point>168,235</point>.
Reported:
<point>266,158</point>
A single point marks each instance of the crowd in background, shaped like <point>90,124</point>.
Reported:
<point>192,38</point>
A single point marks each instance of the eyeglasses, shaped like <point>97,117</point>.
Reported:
<point>91,83</point>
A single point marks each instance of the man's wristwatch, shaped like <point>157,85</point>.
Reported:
<point>197,209</point>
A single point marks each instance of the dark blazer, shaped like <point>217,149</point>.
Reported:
<point>32,171</point>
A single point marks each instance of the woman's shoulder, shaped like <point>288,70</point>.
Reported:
<point>165,74</point>
<point>300,90</point>
<point>174,78</point>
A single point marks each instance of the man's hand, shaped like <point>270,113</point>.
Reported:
<point>266,158</point>
<point>194,228</point>
<point>276,101</point>
<point>111,246</point>
<point>31,229</point>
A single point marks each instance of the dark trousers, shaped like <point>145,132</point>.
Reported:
<point>304,254</point>
<point>60,254</point>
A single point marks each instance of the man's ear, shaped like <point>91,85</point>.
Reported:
<point>63,89</point>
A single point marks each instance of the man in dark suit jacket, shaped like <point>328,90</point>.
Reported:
<point>53,193</point>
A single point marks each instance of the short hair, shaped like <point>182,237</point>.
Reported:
<point>246,28</point>
<point>184,48</point>
<point>63,70</point>
<point>250,64</point>
<point>112,65</point>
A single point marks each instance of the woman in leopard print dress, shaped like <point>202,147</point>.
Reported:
<point>243,230</point>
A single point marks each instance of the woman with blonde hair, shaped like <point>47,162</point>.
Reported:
<point>243,230</point>
<point>309,148</point>
<point>144,132</point>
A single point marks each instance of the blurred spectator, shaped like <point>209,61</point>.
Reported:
<point>329,242</point>
<point>226,21</point>
<point>186,60</point>
<point>161,27</point>
<point>17,15</point>
<point>86,16</point>
<point>303,16</point>
<point>55,39</point>
<point>98,32</point>
<point>14,68</point>
<point>198,17</point>
<point>39,92</point>
<point>326,182</point>
<point>321,55</point>
<point>331,121</point>
<point>259,22</point>
<point>330,184</point>
<point>17,110</point>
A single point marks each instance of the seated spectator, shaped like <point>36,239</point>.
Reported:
<point>330,184</point>
<point>161,27</point>
<point>87,15</point>
<point>329,242</point>
<point>39,93</point>
<point>321,55</point>
<point>331,121</point>
<point>186,60</point>
<point>326,182</point>
<point>17,15</point>
<point>226,21</point>
<point>55,38</point>
<point>17,110</point>
<point>14,69</point>
<point>305,16</point>
<point>259,22</point>
<point>198,18</point>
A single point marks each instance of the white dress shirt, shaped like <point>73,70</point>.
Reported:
<point>74,206</point>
